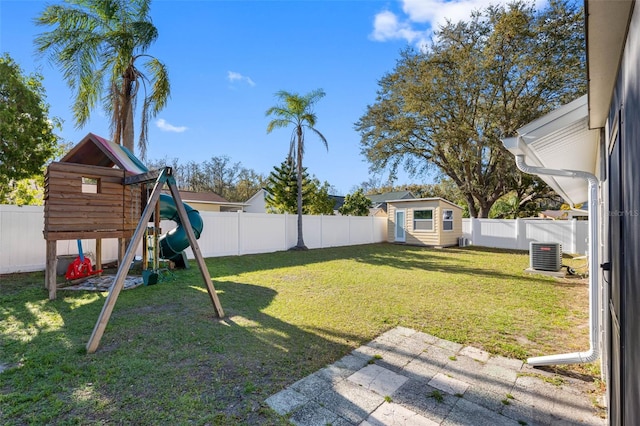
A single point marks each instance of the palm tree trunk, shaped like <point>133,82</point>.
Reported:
<point>128,141</point>
<point>300,245</point>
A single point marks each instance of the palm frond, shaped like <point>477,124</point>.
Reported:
<point>321,136</point>
<point>278,123</point>
<point>96,43</point>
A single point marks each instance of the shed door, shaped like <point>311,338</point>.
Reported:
<point>400,224</point>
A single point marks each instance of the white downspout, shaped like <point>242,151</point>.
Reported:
<point>593,352</point>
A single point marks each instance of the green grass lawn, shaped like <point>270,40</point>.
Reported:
<point>166,359</point>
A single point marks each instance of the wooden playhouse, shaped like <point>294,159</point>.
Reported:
<point>85,198</point>
<point>98,190</point>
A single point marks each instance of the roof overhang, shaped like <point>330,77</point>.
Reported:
<point>560,140</point>
<point>413,200</point>
<point>607,23</point>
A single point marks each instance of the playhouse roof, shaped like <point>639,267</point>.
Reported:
<point>94,150</point>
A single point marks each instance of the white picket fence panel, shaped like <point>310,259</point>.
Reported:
<point>517,234</point>
<point>23,248</point>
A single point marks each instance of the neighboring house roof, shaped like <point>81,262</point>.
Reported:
<point>338,201</point>
<point>412,200</point>
<point>206,198</point>
<point>378,199</point>
<point>260,194</point>
<point>563,214</point>
<point>94,150</point>
<point>202,197</point>
<point>554,214</point>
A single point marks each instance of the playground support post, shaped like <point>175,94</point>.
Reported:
<point>184,218</point>
<point>164,177</point>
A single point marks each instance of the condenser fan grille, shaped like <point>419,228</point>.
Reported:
<point>545,256</point>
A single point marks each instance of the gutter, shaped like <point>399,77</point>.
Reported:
<point>593,352</point>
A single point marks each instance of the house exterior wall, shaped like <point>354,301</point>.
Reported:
<point>436,237</point>
<point>257,203</point>
<point>203,207</point>
<point>623,221</point>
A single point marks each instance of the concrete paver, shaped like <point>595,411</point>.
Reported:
<point>286,401</point>
<point>404,377</point>
<point>448,384</point>
<point>475,353</point>
<point>395,414</point>
<point>378,379</point>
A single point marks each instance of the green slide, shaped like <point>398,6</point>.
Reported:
<point>175,241</point>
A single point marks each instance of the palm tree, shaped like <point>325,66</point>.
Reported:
<point>297,110</point>
<point>100,46</point>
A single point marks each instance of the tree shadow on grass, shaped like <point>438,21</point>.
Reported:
<point>458,261</point>
<point>164,357</point>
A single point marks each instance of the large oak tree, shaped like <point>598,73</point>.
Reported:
<point>448,106</point>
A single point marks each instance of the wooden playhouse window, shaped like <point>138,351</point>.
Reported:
<point>90,185</point>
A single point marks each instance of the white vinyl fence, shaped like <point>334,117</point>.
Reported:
<point>517,234</point>
<point>23,248</point>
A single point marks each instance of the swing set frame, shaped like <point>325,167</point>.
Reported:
<point>161,176</point>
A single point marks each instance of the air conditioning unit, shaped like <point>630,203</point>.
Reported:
<point>545,256</point>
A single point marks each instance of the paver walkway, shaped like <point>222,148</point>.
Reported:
<point>406,377</point>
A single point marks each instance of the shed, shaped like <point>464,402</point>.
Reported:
<point>433,222</point>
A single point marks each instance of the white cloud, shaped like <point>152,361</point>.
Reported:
<point>421,17</point>
<point>233,76</point>
<point>386,26</point>
<point>436,12</point>
<point>166,127</point>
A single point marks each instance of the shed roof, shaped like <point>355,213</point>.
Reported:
<point>410,200</point>
<point>94,150</point>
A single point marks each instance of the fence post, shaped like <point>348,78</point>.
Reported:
<point>474,224</point>
<point>521,234</point>
<point>286,231</point>
<point>371,230</point>
<point>239,232</point>
<point>574,236</point>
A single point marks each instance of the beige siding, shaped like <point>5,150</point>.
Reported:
<point>450,238</point>
<point>436,237</point>
<point>391,223</point>
<point>203,207</point>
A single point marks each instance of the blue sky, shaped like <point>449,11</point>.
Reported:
<point>226,59</point>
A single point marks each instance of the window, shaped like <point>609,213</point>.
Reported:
<point>447,220</point>
<point>423,220</point>
<point>90,185</point>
